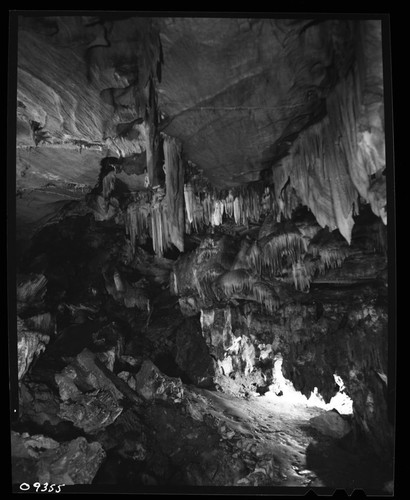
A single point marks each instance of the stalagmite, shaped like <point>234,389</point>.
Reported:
<point>174,180</point>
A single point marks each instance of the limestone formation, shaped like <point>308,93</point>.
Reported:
<point>203,270</point>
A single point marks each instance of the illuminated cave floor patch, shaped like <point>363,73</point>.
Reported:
<point>282,448</point>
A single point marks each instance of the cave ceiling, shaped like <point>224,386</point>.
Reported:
<point>238,93</point>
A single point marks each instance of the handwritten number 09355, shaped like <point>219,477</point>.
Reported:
<point>56,488</point>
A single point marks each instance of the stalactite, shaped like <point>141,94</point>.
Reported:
<point>377,197</point>
<point>159,223</point>
<point>137,222</point>
<point>151,133</point>
<point>229,204</point>
<point>194,211</point>
<point>242,260</point>
<point>254,257</point>
<point>207,204</point>
<point>174,181</point>
<point>118,282</point>
<point>217,213</point>
<point>207,280</point>
<point>287,244</point>
<point>340,150</point>
<point>290,201</point>
<point>332,161</point>
<point>237,210</point>
<point>239,283</point>
<point>269,226</point>
<point>265,295</point>
<point>267,201</point>
<point>199,218</point>
<point>150,153</point>
<point>301,277</point>
<point>209,208</point>
<point>235,282</point>
<point>108,184</point>
<point>190,203</point>
<point>331,249</point>
<point>278,240</point>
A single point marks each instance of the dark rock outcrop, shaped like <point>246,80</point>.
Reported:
<point>41,459</point>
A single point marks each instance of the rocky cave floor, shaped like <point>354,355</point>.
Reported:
<point>211,438</point>
<point>111,396</point>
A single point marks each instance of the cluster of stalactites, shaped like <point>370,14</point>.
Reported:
<point>243,207</point>
<point>324,252</point>
<point>243,283</point>
<point>160,212</point>
<point>180,209</point>
<point>149,218</point>
<point>138,222</point>
<point>301,276</point>
<point>334,161</point>
<point>281,247</point>
<point>289,245</point>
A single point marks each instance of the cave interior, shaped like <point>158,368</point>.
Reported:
<point>201,268</point>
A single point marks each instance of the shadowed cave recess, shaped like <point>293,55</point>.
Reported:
<point>202,287</point>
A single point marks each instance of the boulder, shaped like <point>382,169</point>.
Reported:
<point>108,343</point>
<point>30,292</point>
<point>129,378</point>
<point>90,398</point>
<point>29,345</point>
<point>152,384</point>
<point>41,459</point>
<point>108,358</point>
<point>83,375</point>
<point>44,323</point>
<point>189,306</point>
<point>192,353</point>
<point>38,404</point>
<point>331,424</point>
<point>91,412</point>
